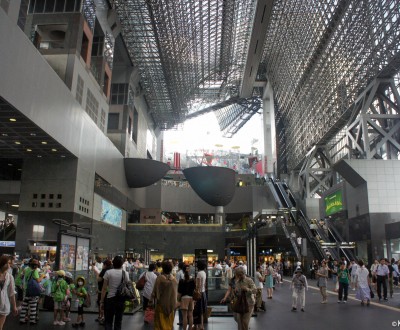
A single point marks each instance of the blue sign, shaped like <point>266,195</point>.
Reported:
<point>7,243</point>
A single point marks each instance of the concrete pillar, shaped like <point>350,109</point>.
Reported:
<point>269,129</point>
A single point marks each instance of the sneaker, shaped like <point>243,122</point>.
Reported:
<point>324,302</point>
<point>302,309</point>
<point>385,299</point>
<point>56,323</point>
<point>61,323</point>
<point>294,309</point>
<point>339,301</point>
<point>344,301</point>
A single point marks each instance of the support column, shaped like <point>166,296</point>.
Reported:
<point>219,215</point>
<point>269,129</point>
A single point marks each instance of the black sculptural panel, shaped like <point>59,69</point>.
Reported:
<point>141,172</point>
<point>214,185</point>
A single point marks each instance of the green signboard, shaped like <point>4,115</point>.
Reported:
<point>333,203</point>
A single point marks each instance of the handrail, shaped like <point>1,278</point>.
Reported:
<point>302,221</point>
<point>278,200</point>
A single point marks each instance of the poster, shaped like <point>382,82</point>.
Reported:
<point>64,256</point>
<point>85,258</point>
<point>79,258</point>
<point>71,257</point>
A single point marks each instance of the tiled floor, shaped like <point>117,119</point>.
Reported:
<point>278,316</point>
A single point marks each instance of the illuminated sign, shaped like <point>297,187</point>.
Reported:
<point>333,203</point>
<point>7,243</point>
<point>110,214</point>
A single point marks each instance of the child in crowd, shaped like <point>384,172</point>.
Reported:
<point>81,293</point>
<point>68,300</point>
<point>299,286</point>
<point>59,291</point>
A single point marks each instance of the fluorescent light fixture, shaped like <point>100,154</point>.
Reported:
<point>15,205</point>
<point>13,119</point>
<point>210,251</point>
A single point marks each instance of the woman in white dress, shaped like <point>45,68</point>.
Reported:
<point>363,284</point>
<point>7,291</point>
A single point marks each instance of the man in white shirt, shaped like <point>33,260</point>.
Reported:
<point>258,281</point>
<point>353,279</point>
<point>382,274</point>
<point>218,274</point>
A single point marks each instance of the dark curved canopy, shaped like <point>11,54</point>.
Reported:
<point>214,185</point>
<point>141,172</point>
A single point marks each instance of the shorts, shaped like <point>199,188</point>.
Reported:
<point>58,304</point>
<point>187,303</point>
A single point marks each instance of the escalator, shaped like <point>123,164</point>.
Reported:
<point>287,202</point>
<point>283,222</point>
<point>327,237</point>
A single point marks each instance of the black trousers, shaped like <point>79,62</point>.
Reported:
<point>381,281</point>
<point>113,311</point>
<point>343,291</point>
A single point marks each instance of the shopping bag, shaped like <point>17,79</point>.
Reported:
<point>149,315</point>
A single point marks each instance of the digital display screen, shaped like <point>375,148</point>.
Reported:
<point>333,203</point>
<point>110,214</point>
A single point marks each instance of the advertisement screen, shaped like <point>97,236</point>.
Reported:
<point>333,203</point>
<point>111,214</point>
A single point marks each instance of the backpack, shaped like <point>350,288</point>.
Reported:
<point>58,294</point>
<point>125,290</point>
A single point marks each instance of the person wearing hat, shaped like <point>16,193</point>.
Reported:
<point>81,294</point>
<point>299,286</point>
<point>29,304</point>
<point>59,292</point>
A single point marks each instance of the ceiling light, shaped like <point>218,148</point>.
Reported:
<point>54,150</point>
<point>44,142</point>
<point>19,169</point>
<point>15,205</point>
<point>9,164</point>
<point>17,142</point>
<point>32,134</point>
<point>13,119</point>
<point>62,156</point>
<point>39,156</point>
<point>29,150</point>
<point>4,134</point>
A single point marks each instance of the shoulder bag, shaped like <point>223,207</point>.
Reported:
<point>239,304</point>
<point>33,288</point>
<point>141,282</point>
<point>197,292</point>
<point>125,290</point>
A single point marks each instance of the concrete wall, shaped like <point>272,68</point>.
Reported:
<point>383,181</point>
<point>23,66</point>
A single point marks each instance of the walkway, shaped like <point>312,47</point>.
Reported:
<point>278,316</point>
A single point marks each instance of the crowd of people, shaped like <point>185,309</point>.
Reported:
<point>380,278</point>
<point>170,285</point>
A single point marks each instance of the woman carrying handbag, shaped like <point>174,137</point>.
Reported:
<point>242,291</point>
